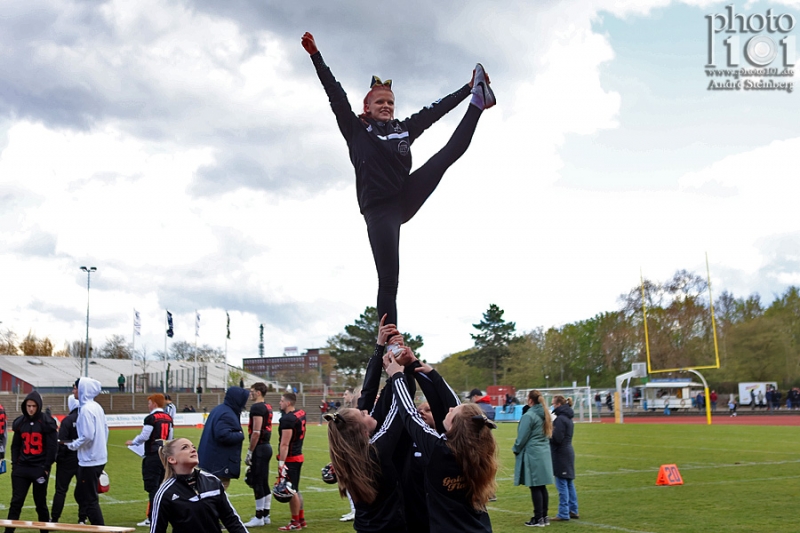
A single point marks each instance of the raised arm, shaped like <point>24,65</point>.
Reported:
<point>425,437</point>
<point>440,396</point>
<point>345,117</point>
<point>424,119</point>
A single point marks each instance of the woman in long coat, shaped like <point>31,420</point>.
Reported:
<point>534,465</point>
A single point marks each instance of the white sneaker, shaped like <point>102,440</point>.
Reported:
<point>255,522</point>
<point>481,86</point>
<point>144,523</point>
<point>348,517</point>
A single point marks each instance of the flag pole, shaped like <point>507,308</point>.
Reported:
<point>133,352</point>
<point>227,336</point>
<point>166,330</point>
<point>196,334</point>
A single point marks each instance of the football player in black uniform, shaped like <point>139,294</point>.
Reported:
<point>292,427</point>
<point>389,194</point>
<point>260,453</point>
<point>157,428</point>
<point>33,451</point>
<point>191,500</point>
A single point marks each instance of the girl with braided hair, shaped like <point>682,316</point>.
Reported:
<point>389,194</point>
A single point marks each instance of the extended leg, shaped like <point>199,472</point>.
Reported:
<point>423,181</point>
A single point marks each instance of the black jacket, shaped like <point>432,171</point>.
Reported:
<point>40,434</point>
<point>380,151</point>
<point>561,443</point>
<point>68,431</point>
<point>448,505</point>
<point>194,509</point>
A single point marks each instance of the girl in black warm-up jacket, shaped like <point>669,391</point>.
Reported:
<point>191,500</point>
<point>460,464</point>
<point>389,194</point>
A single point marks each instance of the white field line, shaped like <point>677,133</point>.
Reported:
<point>693,448</point>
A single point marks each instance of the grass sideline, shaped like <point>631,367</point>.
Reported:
<point>736,478</point>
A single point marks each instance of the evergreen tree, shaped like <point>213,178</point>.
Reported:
<point>491,344</point>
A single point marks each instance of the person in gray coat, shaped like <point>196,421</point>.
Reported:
<point>534,465</point>
<point>564,460</point>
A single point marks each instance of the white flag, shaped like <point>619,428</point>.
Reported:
<point>196,324</point>
<point>137,323</point>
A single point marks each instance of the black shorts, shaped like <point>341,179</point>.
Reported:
<point>293,474</point>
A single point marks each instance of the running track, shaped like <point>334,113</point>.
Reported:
<point>747,420</point>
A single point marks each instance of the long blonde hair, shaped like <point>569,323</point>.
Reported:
<point>166,451</point>
<point>356,469</point>
<point>536,397</point>
<point>471,441</point>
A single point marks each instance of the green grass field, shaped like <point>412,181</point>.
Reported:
<point>736,478</point>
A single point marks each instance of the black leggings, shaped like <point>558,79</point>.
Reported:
<point>384,220</point>
<point>540,501</point>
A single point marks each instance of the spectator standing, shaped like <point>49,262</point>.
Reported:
<point>323,408</point>
<point>169,407</point>
<point>31,461</point>
<point>484,402</point>
<point>241,382</point>
<point>157,428</point>
<point>700,399</point>
<point>564,460</point>
<point>713,397</point>
<point>752,399</point>
<point>609,402</point>
<point>92,448</point>
<point>534,465</point>
<point>2,432</point>
<point>121,383</point>
<point>221,442</point>
<point>66,459</point>
<point>776,399</point>
<point>349,400</point>
<point>732,405</point>
<point>598,402</point>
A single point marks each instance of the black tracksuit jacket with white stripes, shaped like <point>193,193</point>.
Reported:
<point>198,509</point>
<point>380,151</point>
<point>449,507</point>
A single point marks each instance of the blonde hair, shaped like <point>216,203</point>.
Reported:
<point>356,469</point>
<point>166,451</point>
<point>473,446</point>
<point>536,397</point>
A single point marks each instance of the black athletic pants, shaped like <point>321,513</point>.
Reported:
<point>152,475</point>
<point>540,501</point>
<point>66,469</point>
<point>259,469</point>
<point>22,477</point>
<point>86,493</point>
<point>384,220</point>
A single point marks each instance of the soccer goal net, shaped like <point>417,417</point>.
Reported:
<point>581,398</point>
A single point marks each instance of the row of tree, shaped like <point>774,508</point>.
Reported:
<point>114,347</point>
<point>754,342</point>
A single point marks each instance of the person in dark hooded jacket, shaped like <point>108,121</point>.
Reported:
<point>564,460</point>
<point>33,451</point>
<point>220,450</point>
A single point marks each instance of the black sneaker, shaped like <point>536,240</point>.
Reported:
<point>535,523</point>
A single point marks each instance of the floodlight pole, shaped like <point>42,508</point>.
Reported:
<point>88,271</point>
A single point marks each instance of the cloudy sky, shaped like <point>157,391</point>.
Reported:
<point>187,150</point>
